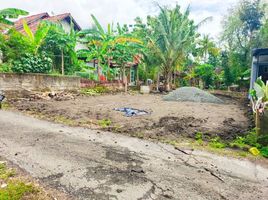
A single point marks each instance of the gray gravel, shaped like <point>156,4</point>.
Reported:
<point>192,94</point>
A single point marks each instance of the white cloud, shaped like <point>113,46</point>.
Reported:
<point>124,11</point>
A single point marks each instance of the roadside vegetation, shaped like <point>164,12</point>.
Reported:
<point>16,187</point>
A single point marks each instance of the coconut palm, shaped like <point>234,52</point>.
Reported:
<point>173,36</point>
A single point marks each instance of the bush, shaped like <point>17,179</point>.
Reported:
<point>32,64</point>
<point>98,90</point>
<point>5,67</point>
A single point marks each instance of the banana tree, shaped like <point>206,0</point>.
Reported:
<point>259,100</point>
<point>10,13</point>
<point>99,43</point>
<point>102,44</point>
<point>36,39</point>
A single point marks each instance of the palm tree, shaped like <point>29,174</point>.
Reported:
<point>173,35</point>
<point>206,47</point>
<point>9,13</point>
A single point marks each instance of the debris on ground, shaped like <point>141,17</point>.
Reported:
<point>192,94</point>
<point>130,112</point>
<point>57,96</point>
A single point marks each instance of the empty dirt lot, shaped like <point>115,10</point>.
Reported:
<point>165,119</point>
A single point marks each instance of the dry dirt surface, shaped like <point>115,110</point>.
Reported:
<point>96,165</point>
<point>165,119</point>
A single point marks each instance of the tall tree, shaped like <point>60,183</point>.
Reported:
<point>173,33</point>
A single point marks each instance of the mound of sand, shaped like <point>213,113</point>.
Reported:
<point>192,94</point>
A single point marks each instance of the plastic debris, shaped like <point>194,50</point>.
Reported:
<point>130,112</point>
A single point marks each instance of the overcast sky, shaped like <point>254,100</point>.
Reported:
<point>124,11</point>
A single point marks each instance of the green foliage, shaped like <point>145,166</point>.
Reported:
<point>172,35</point>
<point>216,143</point>
<point>264,152</point>
<point>15,189</point>
<point>199,137</point>
<point>61,45</point>
<point>98,90</point>
<point>5,67</point>
<point>4,172</point>
<point>32,64</point>
<point>14,45</point>
<point>35,40</point>
<point>206,73</point>
<point>104,123</point>
<point>10,13</point>
<point>242,32</point>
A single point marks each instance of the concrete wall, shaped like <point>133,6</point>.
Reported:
<point>112,85</point>
<point>16,82</point>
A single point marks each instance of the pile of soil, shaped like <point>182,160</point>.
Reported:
<point>192,94</point>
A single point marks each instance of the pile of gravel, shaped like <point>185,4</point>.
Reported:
<point>192,94</point>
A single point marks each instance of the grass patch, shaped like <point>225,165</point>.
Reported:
<point>98,90</point>
<point>5,105</point>
<point>104,123</point>
<point>13,188</point>
<point>216,143</point>
<point>64,120</point>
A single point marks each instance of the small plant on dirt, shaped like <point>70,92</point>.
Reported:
<point>13,188</point>
<point>239,143</point>
<point>264,152</point>
<point>5,173</point>
<point>199,137</point>
<point>98,90</point>
<point>104,123</point>
<point>216,143</point>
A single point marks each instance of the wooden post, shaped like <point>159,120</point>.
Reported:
<point>62,63</point>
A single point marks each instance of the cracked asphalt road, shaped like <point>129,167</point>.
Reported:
<point>88,164</point>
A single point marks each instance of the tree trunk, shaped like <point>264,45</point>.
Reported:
<point>258,122</point>
<point>167,82</point>
<point>137,77</point>
<point>124,78</point>
<point>108,71</point>
<point>62,63</point>
<point>158,80</point>
<point>98,70</point>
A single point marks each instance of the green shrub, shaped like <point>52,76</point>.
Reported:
<point>104,123</point>
<point>239,142</point>
<point>264,152</point>
<point>95,91</point>
<point>32,64</point>
<point>5,67</point>
<point>216,143</point>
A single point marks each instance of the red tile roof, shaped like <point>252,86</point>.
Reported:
<point>34,20</point>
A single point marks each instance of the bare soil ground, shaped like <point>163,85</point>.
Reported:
<point>167,120</point>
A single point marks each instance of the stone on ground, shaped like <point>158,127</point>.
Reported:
<point>192,94</point>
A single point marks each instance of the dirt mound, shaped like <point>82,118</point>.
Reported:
<point>192,94</point>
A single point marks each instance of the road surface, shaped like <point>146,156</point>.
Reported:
<point>89,164</point>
